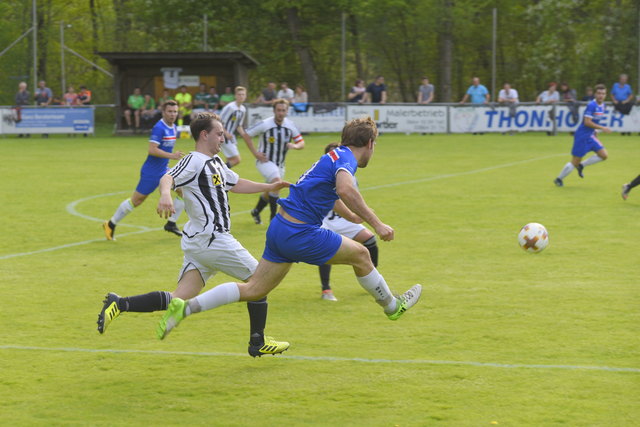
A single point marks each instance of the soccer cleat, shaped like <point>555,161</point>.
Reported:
<point>109,311</point>
<point>328,295</point>
<point>171,318</point>
<point>406,301</point>
<point>109,230</point>
<point>625,191</point>
<point>558,182</point>
<point>580,168</point>
<point>270,346</point>
<point>171,227</point>
<point>256,216</point>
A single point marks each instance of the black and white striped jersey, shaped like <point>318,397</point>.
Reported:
<point>232,116</point>
<point>204,182</point>
<point>275,138</point>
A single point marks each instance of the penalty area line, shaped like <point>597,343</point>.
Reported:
<point>329,359</point>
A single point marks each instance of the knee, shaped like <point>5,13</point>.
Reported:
<point>250,292</point>
<point>604,156</point>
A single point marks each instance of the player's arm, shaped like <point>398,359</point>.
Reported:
<point>346,213</point>
<point>352,198</point>
<point>298,143</point>
<point>165,204</point>
<point>247,139</point>
<point>590,123</point>
<point>155,151</point>
<point>244,186</point>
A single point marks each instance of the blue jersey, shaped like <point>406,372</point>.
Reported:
<point>313,196</point>
<point>594,111</point>
<point>165,136</point>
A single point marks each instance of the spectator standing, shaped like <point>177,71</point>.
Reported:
<point>185,104</point>
<point>568,96</point>
<point>622,97</point>
<point>71,97</point>
<point>84,96</point>
<point>22,98</point>
<point>425,91</point>
<point>588,94</point>
<point>134,104</point>
<point>508,96</point>
<point>478,93</point>
<point>377,92</point>
<point>227,97</point>
<point>268,94</point>
<point>285,92</point>
<point>357,93</point>
<point>43,94</point>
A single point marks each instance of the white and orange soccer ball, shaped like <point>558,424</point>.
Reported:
<point>533,237</point>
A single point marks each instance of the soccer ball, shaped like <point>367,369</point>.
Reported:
<point>533,237</point>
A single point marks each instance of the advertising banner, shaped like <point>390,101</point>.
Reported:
<point>403,118</point>
<point>47,120</point>
<point>328,117</point>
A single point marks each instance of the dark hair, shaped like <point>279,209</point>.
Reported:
<point>331,147</point>
<point>599,87</point>
<point>358,132</point>
<point>168,103</point>
<point>203,122</point>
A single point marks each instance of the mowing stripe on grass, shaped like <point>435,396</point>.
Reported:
<point>71,207</point>
<point>328,359</point>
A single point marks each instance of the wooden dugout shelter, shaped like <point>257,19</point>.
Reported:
<point>144,70</point>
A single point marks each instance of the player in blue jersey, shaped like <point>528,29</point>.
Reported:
<point>161,143</point>
<point>295,234</point>
<point>585,138</point>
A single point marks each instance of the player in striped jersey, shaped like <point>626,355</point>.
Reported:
<point>207,243</point>
<point>348,224</point>
<point>232,116</point>
<point>279,135</point>
<point>161,143</point>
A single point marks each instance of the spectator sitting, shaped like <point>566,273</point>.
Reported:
<point>357,92</point>
<point>479,93</point>
<point>509,96</point>
<point>214,100</point>
<point>268,94</point>
<point>84,97</point>
<point>227,97</point>
<point>549,96</point>
<point>165,97</point>
<point>285,92</point>
<point>200,100</point>
<point>184,100</point>
<point>148,112</point>
<point>300,99</point>
<point>569,96</point>
<point>71,97</point>
<point>425,91</point>
<point>134,104</point>
<point>43,94</point>
<point>376,92</point>
<point>588,94</point>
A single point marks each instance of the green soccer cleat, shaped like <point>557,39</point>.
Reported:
<point>270,346</point>
<point>171,318</point>
<point>109,311</point>
<point>406,301</point>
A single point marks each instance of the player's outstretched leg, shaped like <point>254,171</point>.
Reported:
<point>626,188</point>
<point>109,311</point>
<point>269,346</point>
<point>171,318</point>
<point>405,301</point>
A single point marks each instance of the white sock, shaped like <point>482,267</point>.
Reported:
<point>178,205</point>
<point>225,293</point>
<point>123,210</point>
<point>375,284</point>
<point>566,170</point>
<point>591,160</point>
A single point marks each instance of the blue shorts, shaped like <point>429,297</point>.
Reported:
<point>291,242</point>
<point>583,145</point>
<point>148,184</point>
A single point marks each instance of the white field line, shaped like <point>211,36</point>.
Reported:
<point>327,359</point>
<point>71,207</point>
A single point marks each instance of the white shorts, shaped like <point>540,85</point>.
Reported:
<point>224,254</point>
<point>270,170</point>
<point>342,226</point>
<point>230,148</point>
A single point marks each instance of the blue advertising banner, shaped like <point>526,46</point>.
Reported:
<point>47,120</point>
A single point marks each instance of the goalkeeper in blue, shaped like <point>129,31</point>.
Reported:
<point>296,235</point>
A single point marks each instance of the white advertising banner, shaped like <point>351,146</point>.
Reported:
<point>466,119</point>
<point>46,120</point>
<point>403,118</point>
<point>316,118</point>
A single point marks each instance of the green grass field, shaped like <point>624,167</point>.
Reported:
<point>500,336</point>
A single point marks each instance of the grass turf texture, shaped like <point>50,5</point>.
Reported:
<point>456,202</point>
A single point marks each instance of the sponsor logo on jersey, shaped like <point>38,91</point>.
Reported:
<point>271,140</point>
<point>216,179</point>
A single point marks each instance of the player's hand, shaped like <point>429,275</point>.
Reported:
<point>291,146</point>
<point>176,155</point>
<point>385,232</point>
<point>165,207</point>
<point>606,129</point>
<point>262,158</point>
<point>280,185</point>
